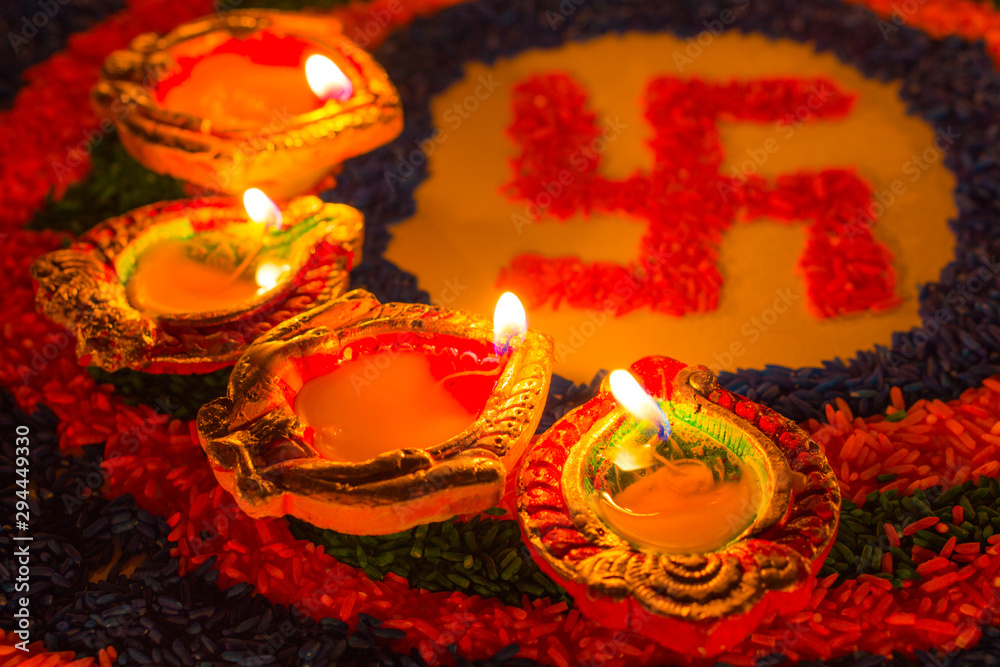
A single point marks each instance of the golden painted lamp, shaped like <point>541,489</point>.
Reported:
<point>690,525</point>
<point>371,418</point>
<point>185,286</point>
<point>265,99</point>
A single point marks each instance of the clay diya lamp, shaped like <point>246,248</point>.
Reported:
<point>691,524</point>
<point>244,99</point>
<point>371,418</point>
<point>185,286</point>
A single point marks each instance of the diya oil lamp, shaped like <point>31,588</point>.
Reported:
<point>244,99</point>
<point>185,286</point>
<point>371,418</point>
<point>690,516</point>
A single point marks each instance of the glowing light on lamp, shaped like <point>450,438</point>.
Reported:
<point>637,458</point>
<point>639,452</point>
<point>269,275</point>
<point>640,405</point>
<point>327,80</point>
<point>261,209</point>
<point>510,324</point>
<point>266,213</point>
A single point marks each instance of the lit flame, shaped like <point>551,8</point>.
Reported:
<point>327,80</point>
<point>269,275</point>
<point>261,209</point>
<point>510,324</point>
<point>640,405</point>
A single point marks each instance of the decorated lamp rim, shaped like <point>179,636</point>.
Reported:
<point>258,413</point>
<point>713,599</point>
<point>370,320</point>
<point>83,287</point>
<point>125,73</point>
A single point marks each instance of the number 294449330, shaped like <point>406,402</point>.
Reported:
<point>22,522</point>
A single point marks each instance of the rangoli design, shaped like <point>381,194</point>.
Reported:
<point>686,198</point>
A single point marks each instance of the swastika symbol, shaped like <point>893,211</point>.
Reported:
<point>686,199</point>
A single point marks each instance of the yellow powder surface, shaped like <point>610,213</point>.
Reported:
<point>462,233</point>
